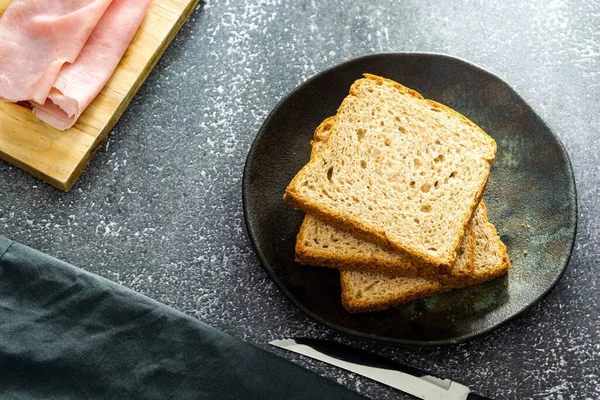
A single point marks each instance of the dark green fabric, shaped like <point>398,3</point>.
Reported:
<point>69,334</point>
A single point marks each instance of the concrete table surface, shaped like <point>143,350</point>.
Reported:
<point>159,207</point>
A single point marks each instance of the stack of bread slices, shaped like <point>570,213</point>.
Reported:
<point>393,198</point>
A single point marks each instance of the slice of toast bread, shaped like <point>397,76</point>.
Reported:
<point>399,170</point>
<point>363,291</point>
<point>322,244</point>
<point>319,243</point>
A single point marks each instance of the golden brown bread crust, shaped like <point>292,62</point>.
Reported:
<point>322,132</point>
<point>356,227</point>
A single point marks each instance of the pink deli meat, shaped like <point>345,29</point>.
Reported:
<point>37,37</point>
<point>79,83</point>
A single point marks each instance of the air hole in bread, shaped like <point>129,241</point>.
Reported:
<point>363,164</point>
<point>432,248</point>
<point>402,129</point>
<point>439,158</point>
<point>426,208</point>
<point>355,199</point>
<point>360,133</point>
<point>412,184</point>
<point>426,187</point>
<point>437,141</point>
<point>436,184</point>
<point>418,163</point>
<point>387,141</point>
<point>381,123</point>
<point>330,174</point>
<point>453,174</point>
<point>417,220</point>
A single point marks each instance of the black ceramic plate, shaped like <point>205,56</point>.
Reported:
<point>530,198</point>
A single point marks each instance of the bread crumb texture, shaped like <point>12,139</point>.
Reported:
<point>404,171</point>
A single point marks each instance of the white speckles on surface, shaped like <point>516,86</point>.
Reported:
<point>159,208</point>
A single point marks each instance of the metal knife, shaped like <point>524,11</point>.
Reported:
<point>392,373</point>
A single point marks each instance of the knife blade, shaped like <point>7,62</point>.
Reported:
<point>392,373</point>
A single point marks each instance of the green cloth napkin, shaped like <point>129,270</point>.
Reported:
<point>69,334</point>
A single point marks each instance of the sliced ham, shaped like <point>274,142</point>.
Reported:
<point>37,37</point>
<point>79,83</point>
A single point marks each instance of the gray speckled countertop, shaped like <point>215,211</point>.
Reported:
<point>159,208</point>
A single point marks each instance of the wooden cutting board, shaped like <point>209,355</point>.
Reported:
<point>59,157</point>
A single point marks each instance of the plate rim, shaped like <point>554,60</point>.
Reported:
<point>387,340</point>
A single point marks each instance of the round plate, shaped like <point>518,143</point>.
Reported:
<point>530,198</point>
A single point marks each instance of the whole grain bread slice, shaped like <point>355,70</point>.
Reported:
<point>399,170</point>
<point>364,291</point>
<point>319,243</point>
